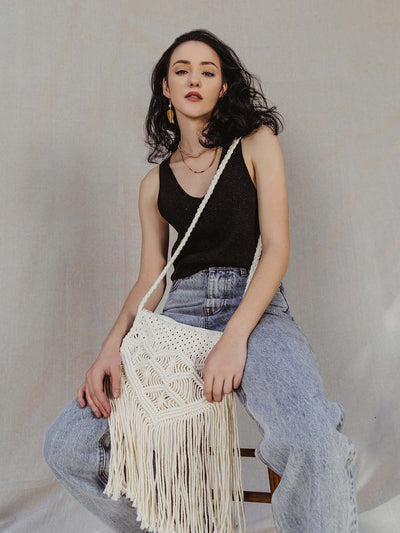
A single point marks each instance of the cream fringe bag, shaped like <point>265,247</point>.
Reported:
<point>162,415</point>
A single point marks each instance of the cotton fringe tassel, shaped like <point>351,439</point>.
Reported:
<point>191,490</point>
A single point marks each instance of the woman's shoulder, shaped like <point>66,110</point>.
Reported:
<point>149,184</point>
<point>148,193</point>
<point>260,141</point>
<point>250,147</point>
<point>259,147</point>
<point>263,132</point>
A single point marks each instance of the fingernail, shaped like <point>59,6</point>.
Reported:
<point>115,393</point>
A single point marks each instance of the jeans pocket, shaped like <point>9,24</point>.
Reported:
<point>282,291</point>
<point>279,301</point>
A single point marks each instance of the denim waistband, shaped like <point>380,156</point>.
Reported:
<point>243,271</point>
<point>215,278</point>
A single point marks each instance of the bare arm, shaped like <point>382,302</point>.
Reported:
<point>273,210</point>
<point>224,366</point>
<point>154,253</point>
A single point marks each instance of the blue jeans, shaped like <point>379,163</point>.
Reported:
<point>281,390</point>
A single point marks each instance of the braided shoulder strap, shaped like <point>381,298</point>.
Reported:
<point>202,205</point>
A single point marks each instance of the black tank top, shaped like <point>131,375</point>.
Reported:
<point>227,231</point>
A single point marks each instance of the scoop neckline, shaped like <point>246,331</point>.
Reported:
<point>197,198</point>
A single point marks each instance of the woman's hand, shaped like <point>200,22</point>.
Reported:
<point>108,362</point>
<point>224,366</point>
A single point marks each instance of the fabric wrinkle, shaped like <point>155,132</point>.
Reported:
<point>301,431</point>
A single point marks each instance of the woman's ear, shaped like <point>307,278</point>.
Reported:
<point>223,90</point>
<point>165,88</point>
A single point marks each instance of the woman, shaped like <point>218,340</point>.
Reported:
<point>203,98</point>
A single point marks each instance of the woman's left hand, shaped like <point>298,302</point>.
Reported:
<point>224,366</point>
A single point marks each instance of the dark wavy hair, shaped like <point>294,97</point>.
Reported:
<point>239,112</point>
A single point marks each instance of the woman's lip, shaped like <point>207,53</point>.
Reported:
<point>193,98</point>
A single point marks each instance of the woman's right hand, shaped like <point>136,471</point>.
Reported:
<point>108,362</point>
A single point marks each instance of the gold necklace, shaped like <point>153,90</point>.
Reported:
<point>190,155</point>
<point>201,171</point>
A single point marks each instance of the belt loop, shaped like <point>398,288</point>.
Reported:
<point>243,271</point>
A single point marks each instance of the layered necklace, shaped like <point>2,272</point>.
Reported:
<point>181,151</point>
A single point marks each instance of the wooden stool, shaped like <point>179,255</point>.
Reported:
<point>274,479</point>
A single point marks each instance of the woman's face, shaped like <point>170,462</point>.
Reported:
<point>187,73</point>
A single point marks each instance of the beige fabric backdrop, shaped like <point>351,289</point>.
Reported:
<point>74,93</point>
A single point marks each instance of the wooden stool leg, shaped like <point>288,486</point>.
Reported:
<point>274,480</point>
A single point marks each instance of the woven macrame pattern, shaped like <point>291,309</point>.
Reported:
<point>164,382</point>
<point>167,355</point>
<point>175,455</point>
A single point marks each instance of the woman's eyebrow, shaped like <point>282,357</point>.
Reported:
<point>201,62</point>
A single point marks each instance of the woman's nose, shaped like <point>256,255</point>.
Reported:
<point>194,80</point>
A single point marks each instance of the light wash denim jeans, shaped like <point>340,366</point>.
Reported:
<point>281,390</point>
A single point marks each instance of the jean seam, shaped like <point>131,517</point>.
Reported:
<point>207,314</point>
<point>176,284</point>
<point>101,471</point>
<point>281,290</point>
<point>276,310</point>
<point>353,514</point>
<point>278,306</point>
<point>340,424</point>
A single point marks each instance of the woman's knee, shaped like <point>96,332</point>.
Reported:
<point>72,437</point>
<point>56,437</point>
<point>50,448</point>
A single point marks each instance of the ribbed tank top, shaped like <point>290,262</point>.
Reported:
<point>227,231</point>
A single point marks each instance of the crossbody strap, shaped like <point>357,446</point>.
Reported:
<point>202,205</point>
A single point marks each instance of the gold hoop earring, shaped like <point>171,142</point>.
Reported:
<point>170,113</point>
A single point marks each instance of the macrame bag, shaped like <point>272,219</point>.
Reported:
<point>174,454</point>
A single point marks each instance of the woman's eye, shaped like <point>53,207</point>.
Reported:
<point>210,73</point>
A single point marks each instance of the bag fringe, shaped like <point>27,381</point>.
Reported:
<point>165,470</point>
